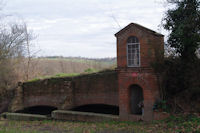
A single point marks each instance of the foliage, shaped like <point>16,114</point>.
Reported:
<point>8,76</point>
<point>90,70</point>
<point>180,72</point>
<point>178,76</point>
<point>62,75</point>
<point>59,75</point>
<point>65,75</point>
<point>184,123</point>
<point>183,22</point>
<point>162,106</point>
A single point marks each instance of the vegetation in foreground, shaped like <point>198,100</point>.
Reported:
<point>175,124</point>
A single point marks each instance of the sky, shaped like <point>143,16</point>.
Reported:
<point>83,28</point>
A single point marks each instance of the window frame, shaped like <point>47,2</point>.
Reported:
<point>127,44</point>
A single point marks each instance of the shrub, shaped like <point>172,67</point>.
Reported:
<point>178,76</point>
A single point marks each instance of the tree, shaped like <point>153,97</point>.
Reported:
<point>183,22</point>
<point>180,73</point>
<point>13,44</point>
<point>12,40</point>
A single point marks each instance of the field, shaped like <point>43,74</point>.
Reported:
<point>174,124</point>
<point>57,66</point>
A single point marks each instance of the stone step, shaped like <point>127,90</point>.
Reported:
<point>24,117</point>
<point>82,116</point>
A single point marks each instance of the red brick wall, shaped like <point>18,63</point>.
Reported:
<point>147,80</point>
<point>151,47</point>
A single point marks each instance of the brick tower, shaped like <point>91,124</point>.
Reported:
<point>137,48</point>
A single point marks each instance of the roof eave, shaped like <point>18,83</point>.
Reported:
<point>151,31</point>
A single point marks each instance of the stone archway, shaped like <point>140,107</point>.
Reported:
<point>136,98</point>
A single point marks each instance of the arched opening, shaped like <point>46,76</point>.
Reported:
<point>41,110</point>
<point>136,99</point>
<point>98,108</point>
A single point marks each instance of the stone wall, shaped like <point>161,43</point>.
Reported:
<point>5,100</point>
<point>69,92</point>
<point>99,88</point>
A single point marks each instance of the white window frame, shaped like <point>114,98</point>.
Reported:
<point>133,65</point>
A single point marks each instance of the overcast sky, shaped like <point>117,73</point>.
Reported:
<point>83,27</point>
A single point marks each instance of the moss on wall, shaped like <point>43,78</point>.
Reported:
<point>67,92</point>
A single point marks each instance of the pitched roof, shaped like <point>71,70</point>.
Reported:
<point>140,26</point>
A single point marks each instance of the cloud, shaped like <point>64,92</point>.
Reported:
<point>83,27</point>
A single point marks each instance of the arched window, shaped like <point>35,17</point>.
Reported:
<point>133,52</point>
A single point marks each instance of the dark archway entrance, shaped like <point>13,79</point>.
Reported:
<point>98,108</point>
<point>41,110</point>
<point>136,97</point>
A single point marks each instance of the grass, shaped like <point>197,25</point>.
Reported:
<point>59,75</point>
<point>62,75</point>
<point>174,124</point>
<point>65,75</point>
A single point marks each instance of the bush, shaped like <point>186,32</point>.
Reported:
<point>162,106</point>
<point>178,76</point>
<point>8,76</point>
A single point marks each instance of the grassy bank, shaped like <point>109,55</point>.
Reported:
<point>174,124</point>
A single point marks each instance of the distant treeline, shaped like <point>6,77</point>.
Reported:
<point>106,59</point>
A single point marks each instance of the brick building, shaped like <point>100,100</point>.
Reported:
<point>137,49</point>
<point>133,84</point>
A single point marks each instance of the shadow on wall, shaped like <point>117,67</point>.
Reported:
<point>41,110</point>
<point>98,108</point>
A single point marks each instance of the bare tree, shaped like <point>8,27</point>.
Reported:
<point>14,39</point>
<point>29,36</point>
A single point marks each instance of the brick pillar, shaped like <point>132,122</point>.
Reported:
<point>148,104</point>
<point>148,110</point>
<point>124,102</point>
